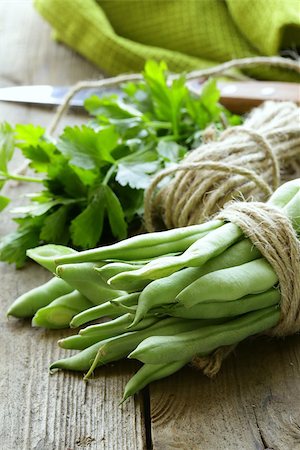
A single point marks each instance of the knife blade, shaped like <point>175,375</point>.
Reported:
<point>237,96</point>
<point>48,95</point>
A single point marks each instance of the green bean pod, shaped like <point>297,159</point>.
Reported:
<point>166,349</point>
<point>125,309</point>
<point>59,313</point>
<point>213,310</point>
<point>164,290</point>
<point>45,255</point>
<point>215,242</point>
<point>27,304</point>
<point>88,282</point>
<point>145,246</point>
<point>107,309</point>
<point>285,193</point>
<point>120,323</point>
<point>230,284</point>
<point>111,269</point>
<point>148,373</point>
<point>205,248</point>
<point>119,347</point>
<point>103,331</point>
<point>292,210</point>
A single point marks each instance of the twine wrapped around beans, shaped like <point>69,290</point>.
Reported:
<point>272,233</point>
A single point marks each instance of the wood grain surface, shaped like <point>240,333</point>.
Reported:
<point>253,404</point>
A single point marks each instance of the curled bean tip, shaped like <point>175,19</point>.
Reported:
<point>134,323</point>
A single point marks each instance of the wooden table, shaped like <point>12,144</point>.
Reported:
<point>253,404</point>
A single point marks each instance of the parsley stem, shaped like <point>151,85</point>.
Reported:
<point>11,176</point>
<point>109,174</point>
<point>158,124</point>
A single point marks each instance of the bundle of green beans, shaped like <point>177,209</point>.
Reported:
<point>171,295</point>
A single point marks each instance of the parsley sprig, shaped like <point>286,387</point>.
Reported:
<point>93,177</point>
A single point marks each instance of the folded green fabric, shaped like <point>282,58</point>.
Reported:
<point>120,35</point>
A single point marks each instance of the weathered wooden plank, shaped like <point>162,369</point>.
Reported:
<point>39,411</point>
<point>252,404</point>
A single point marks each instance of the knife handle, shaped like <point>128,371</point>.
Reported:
<point>241,96</point>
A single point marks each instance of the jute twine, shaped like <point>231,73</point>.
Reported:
<point>273,234</point>
<point>245,162</point>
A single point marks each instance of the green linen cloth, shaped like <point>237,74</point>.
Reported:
<point>120,35</point>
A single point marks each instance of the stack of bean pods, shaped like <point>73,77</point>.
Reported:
<point>171,295</point>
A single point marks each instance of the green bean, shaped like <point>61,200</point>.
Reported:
<point>27,304</point>
<point>230,284</point>
<point>123,308</point>
<point>59,313</point>
<point>285,193</point>
<point>121,323</point>
<point>78,342</point>
<point>287,198</point>
<point>112,269</point>
<point>90,335</point>
<point>292,210</point>
<point>109,270</point>
<point>149,373</point>
<point>87,281</point>
<point>129,285</point>
<point>213,243</point>
<point>45,254</point>
<point>110,349</point>
<point>227,309</point>
<point>145,246</point>
<point>118,347</point>
<point>205,248</point>
<point>109,309</point>
<point>103,331</point>
<point>164,290</point>
<point>166,349</point>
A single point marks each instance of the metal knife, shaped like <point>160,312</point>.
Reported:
<point>238,96</point>
<point>47,95</point>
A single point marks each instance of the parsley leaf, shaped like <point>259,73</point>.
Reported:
<point>115,214</point>
<point>87,227</point>
<point>14,245</point>
<point>111,107</point>
<point>170,151</point>
<point>55,227</point>
<point>136,175</point>
<point>4,201</point>
<point>87,148</point>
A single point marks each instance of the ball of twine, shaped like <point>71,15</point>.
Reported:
<point>245,162</point>
<point>273,234</point>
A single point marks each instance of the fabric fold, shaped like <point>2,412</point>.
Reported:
<point>119,36</point>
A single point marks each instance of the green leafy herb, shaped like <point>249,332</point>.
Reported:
<point>94,176</point>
